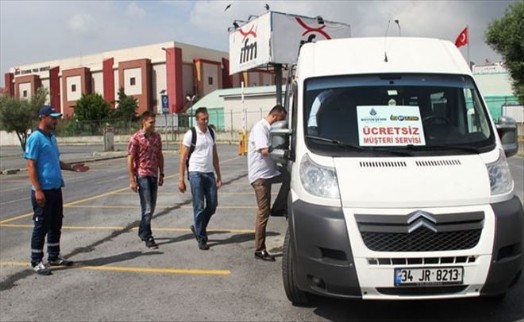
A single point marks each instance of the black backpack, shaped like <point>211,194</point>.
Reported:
<point>193,144</point>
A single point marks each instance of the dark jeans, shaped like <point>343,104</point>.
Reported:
<point>205,200</point>
<point>47,221</point>
<point>263,195</point>
<point>147,190</point>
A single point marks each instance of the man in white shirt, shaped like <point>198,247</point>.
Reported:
<point>203,163</point>
<point>262,172</point>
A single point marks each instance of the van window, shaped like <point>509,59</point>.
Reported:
<point>419,113</point>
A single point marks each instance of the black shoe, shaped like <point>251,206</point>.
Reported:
<point>150,243</point>
<point>278,213</point>
<point>193,231</point>
<point>59,261</point>
<point>202,245</point>
<point>264,255</point>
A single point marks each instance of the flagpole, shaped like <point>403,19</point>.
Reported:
<point>467,37</point>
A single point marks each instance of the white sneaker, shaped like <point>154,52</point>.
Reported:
<point>41,269</point>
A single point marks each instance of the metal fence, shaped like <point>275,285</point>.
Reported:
<point>223,122</point>
<point>231,122</point>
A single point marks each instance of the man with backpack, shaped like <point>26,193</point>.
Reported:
<point>199,157</point>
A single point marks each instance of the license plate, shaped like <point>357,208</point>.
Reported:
<point>428,276</point>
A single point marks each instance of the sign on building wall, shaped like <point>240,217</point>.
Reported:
<point>35,70</point>
<point>165,104</point>
<point>489,69</point>
<point>275,38</point>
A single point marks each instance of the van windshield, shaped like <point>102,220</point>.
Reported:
<point>415,113</point>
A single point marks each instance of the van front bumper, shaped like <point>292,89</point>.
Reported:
<point>325,263</point>
<point>508,258</point>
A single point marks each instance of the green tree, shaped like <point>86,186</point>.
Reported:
<point>126,108</point>
<point>506,36</point>
<point>20,116</point>
<point>92,109</point>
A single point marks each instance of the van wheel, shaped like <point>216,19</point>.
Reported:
<point>494,299</point>
<point>296,296</point>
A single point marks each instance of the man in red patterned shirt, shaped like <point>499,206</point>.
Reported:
<point>145,163</point>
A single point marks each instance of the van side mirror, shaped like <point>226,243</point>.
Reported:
<point>508,133</point>
<point>279,141</point>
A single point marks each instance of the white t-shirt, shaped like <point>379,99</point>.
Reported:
<point>258,166</point>
<point>201,159</point>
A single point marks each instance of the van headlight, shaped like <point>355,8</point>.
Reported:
<point>500,176</point>
<point>318,180</point>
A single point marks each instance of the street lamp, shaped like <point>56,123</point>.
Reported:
<point>191,99</point>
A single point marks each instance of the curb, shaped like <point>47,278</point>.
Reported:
<point>10,171</point>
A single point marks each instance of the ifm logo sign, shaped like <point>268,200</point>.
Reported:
<point>248,51</point>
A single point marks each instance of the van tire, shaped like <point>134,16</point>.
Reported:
<point>296,296</point>
<point>495,298</point>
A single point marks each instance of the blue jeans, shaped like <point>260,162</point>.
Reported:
<point>147,190</point>
<point>204,191</point>
<point>47,221</point>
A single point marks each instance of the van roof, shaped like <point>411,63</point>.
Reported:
<point>368,56</point>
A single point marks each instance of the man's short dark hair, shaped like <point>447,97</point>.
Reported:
<point>201,110</point>
<point>147,114</point>
<point>278,109</point>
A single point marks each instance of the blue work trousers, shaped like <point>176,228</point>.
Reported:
<point>47,221</point>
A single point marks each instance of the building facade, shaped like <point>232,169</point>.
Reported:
<point>494,82</point>
<point>181,71</point>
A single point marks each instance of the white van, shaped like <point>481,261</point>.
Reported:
<point>400,187</point>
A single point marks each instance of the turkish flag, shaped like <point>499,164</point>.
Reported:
<point>462,38</point>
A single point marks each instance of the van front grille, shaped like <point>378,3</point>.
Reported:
<point>421,261</point>
<point>420,231</point>
<point>421,291</point>
<point>421,240</point>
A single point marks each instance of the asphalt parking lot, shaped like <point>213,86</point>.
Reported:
<point>116,278</point>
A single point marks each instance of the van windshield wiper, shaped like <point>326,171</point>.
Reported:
<point>334,142</point>
<point>460,147</point>
<point>358,148</point>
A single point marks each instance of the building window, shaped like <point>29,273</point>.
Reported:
<point>132,81</point>
<point>24,93</point>
<point>73,88</point>
<point>210,80</point>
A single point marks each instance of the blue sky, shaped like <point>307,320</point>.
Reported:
<point>38,31</point>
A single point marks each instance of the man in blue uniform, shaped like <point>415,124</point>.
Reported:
<point>44,170</point>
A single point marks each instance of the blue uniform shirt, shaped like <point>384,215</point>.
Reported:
<point>43,149</point>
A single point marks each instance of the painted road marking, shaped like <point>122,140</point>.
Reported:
<point>158,204</point>
<point>172,229</point>
<point>91,198</point>
<point>5,222</point>
<point>131,269</point>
